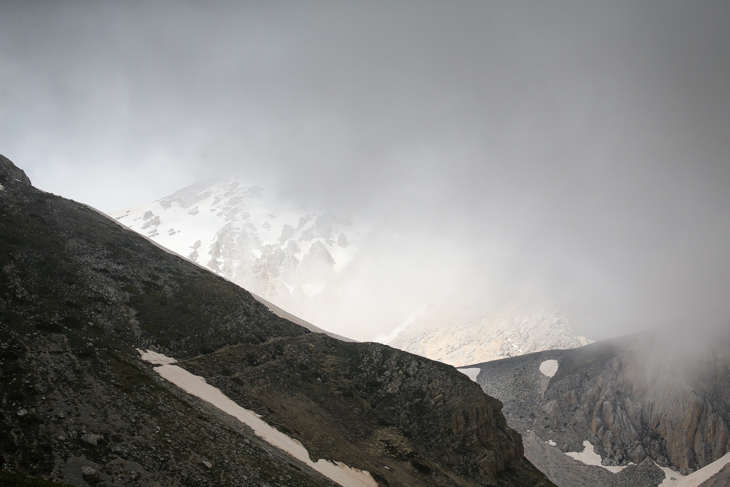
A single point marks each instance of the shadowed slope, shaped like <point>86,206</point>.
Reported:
<point>80,294</point>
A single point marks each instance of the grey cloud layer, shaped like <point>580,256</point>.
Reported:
<point>583,145</point>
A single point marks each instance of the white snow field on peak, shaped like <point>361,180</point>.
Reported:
<point>330,272</point>
<point>264,243</point>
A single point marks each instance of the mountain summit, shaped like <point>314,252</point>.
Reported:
<point>254,238</point>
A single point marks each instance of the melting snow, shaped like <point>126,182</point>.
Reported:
<point>549,368</point>
<point>155,358</point>
<point>695,479</point>
<point>588,456</point>
<point>196,385</point>
<point>671,478</point>
<point>472,373</point>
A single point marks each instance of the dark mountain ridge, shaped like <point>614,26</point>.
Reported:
<point>79,294</point>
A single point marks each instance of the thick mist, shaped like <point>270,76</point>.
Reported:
<point>577,152</point>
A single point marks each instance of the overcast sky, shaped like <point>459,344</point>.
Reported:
<point>578,148</point>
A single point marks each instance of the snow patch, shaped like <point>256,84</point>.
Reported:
<point>196,385</point>
<point>472,373</point>
<point>695,479</point>
<point>671,478</point>
<point>551,443</point>
<point>588,456</point>
<point>549,368</point>
<point>2,188</point>
<point>155,358</point>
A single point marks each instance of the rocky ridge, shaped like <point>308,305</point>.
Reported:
<point>80,294</point>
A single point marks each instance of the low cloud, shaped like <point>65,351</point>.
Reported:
<point>576,151</point>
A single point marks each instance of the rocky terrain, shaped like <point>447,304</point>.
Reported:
<point>632,399</point>
<point>80,294</point>
<point>461,336</point>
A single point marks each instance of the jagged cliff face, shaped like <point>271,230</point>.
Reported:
<point>80,294</point>
<point>462,337</point>
<point>632,398</point>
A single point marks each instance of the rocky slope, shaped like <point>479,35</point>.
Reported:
<point>477,334</point>
<point>633,399</point>
<point>80,295</point>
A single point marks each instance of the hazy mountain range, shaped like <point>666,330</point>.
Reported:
<point>322,267</point>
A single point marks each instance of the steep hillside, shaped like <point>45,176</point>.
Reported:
<point>80,295</point>
<point>632,399</point>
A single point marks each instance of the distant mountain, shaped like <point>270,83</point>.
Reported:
<point>83,301</point>
<point>318,265</point>
<point>476,334</point>
<point>654,396</point>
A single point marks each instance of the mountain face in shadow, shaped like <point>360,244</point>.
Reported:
<point>80,295</point>
<point>651,396</point>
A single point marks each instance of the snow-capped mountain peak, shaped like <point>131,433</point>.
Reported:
<point>283,252</point>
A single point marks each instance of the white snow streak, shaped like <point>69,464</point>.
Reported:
<point>195,385</point>
<point>155,358</point>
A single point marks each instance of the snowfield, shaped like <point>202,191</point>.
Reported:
<point>695,479</point>
<point>195,385</point>
<point>588,456</point>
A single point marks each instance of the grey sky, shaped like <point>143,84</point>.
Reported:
<point>580,148</point>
